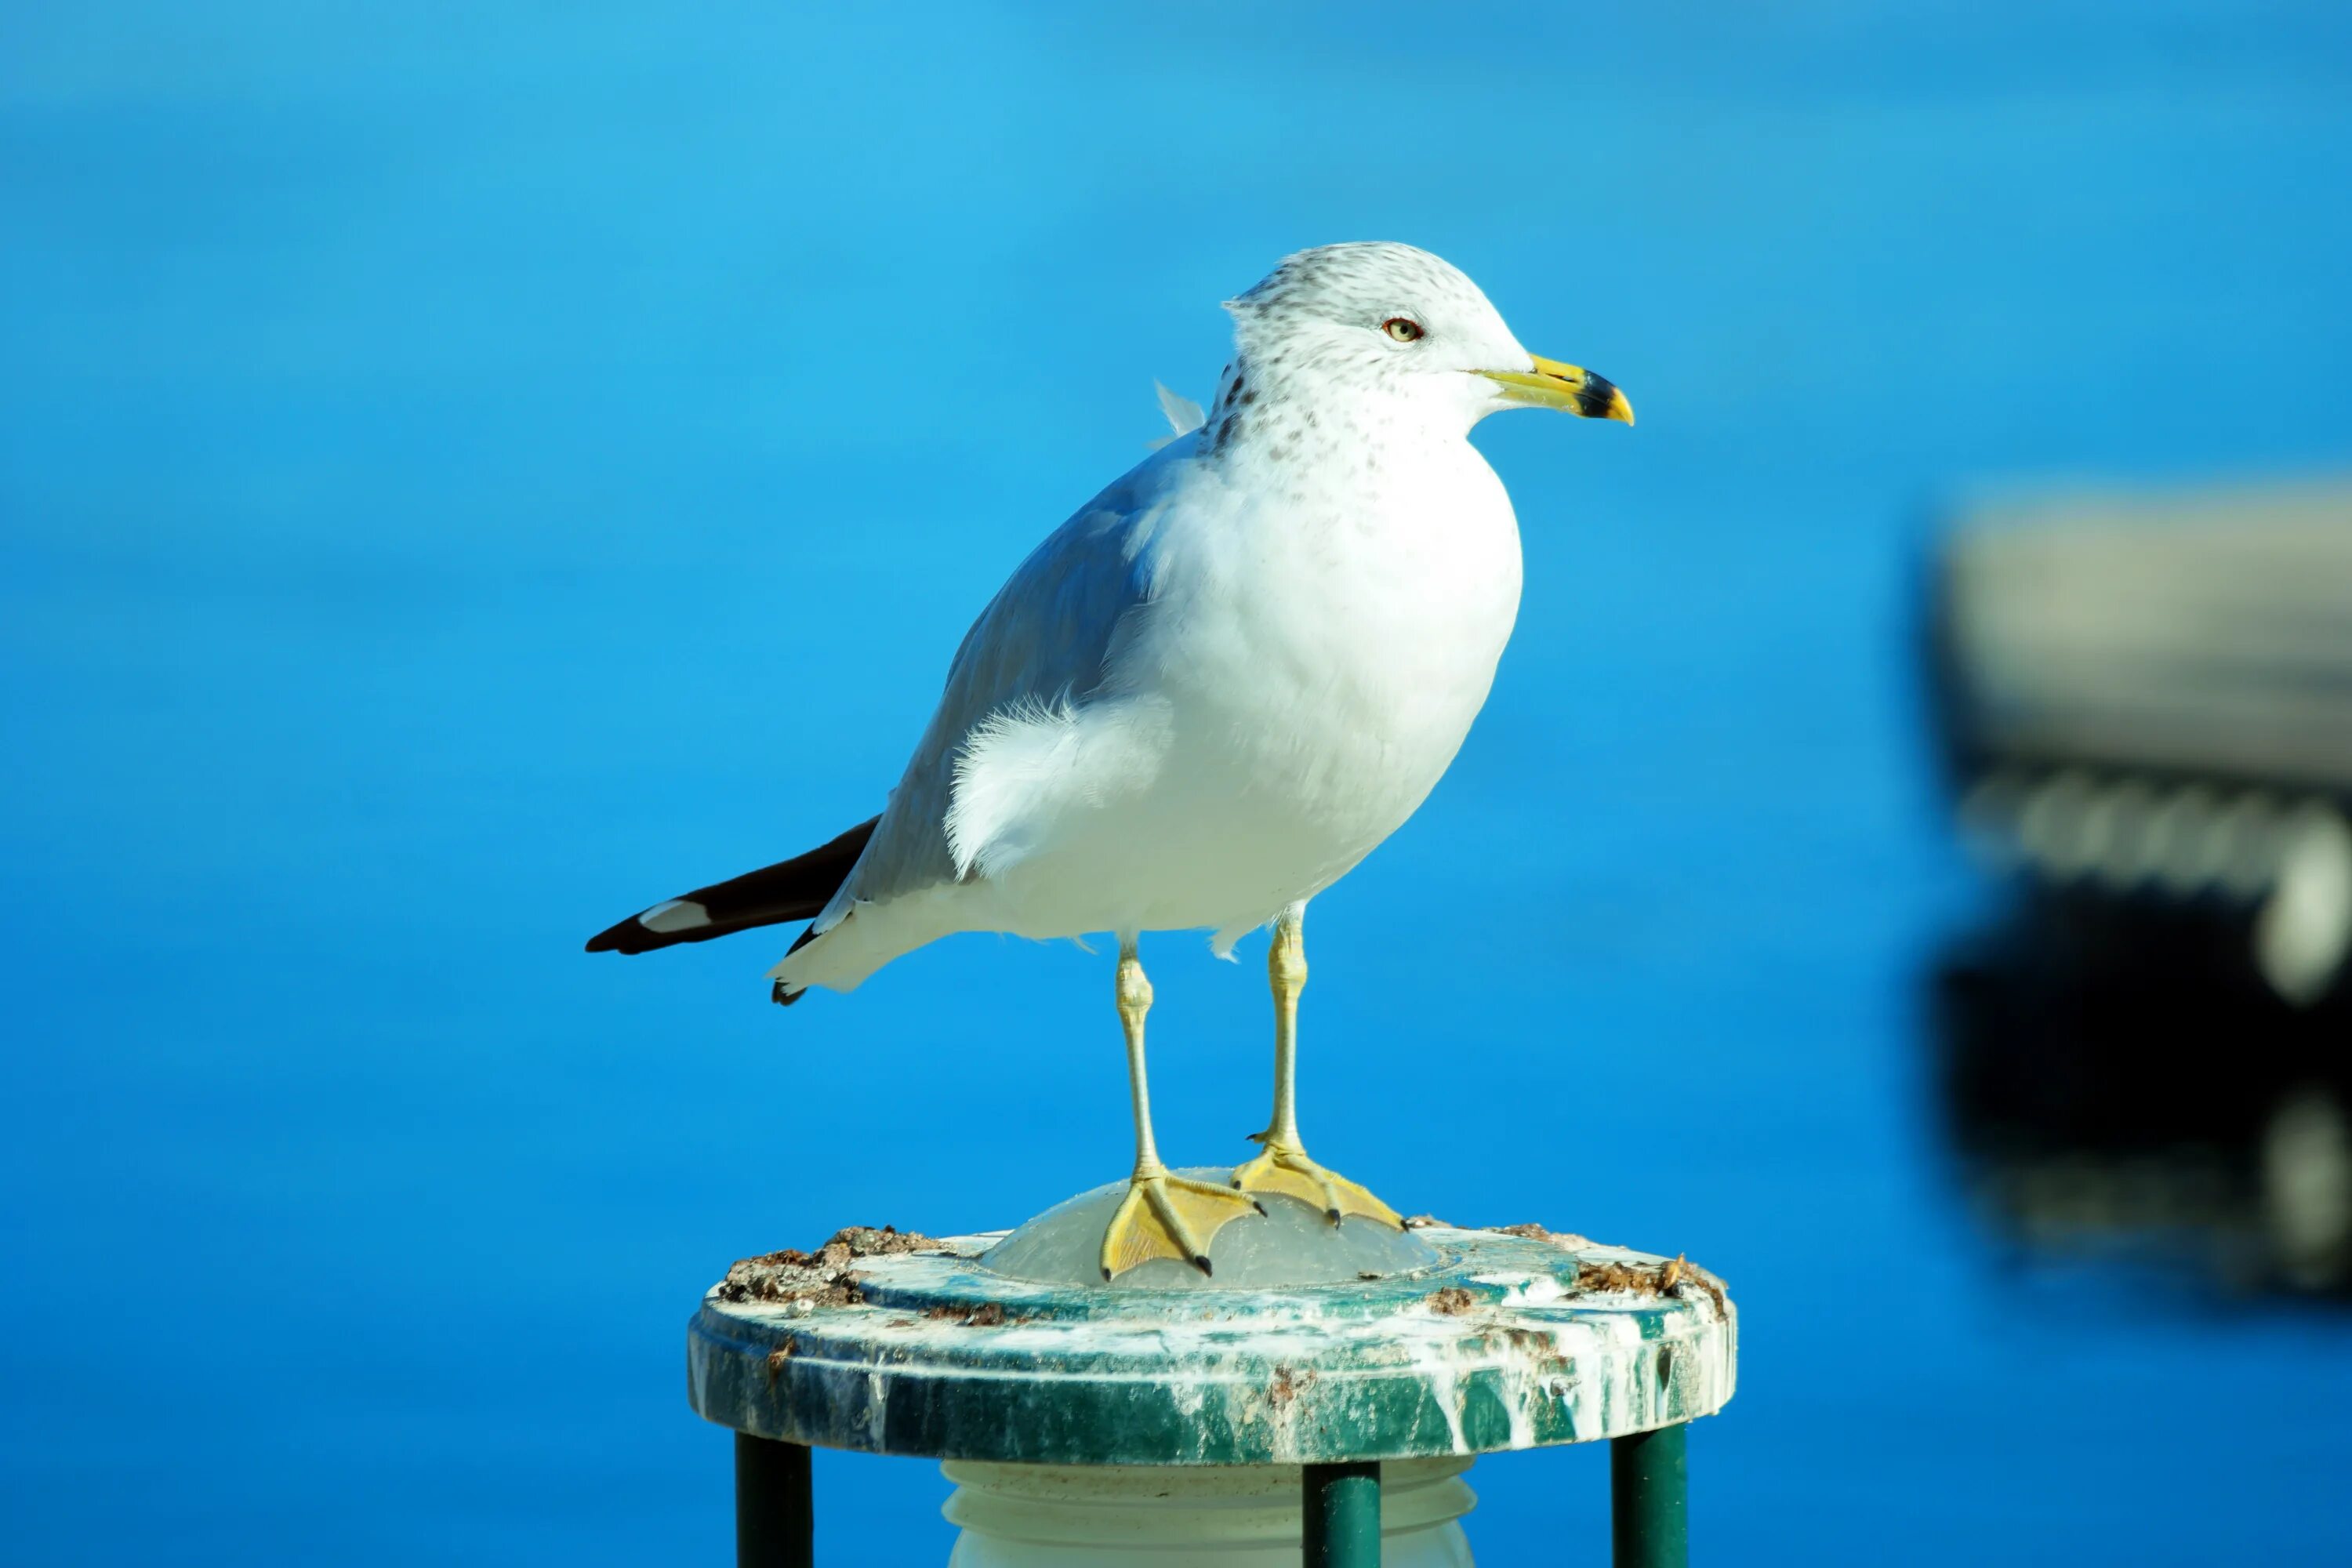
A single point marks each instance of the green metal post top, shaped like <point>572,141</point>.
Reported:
<point>1515,1339</point>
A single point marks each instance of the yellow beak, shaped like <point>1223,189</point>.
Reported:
<point>1563,387</point>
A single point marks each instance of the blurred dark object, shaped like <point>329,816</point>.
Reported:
<point>2146,711</point>
<point>2113,1090</point>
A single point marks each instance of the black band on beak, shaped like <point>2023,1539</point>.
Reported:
<point>1596,397</point>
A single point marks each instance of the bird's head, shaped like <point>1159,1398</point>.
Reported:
<point>1379,322</point>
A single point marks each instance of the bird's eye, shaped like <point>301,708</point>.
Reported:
<point>1403,328</point>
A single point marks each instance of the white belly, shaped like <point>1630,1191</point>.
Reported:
<point>1301,685</point>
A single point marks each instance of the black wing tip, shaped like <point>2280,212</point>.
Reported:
<point>613,939</point>
<point>628,937</point>
<point>792,890</point>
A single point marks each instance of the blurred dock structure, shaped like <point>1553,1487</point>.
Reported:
<point>2144,706</point>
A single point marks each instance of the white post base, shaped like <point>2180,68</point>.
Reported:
<point>1175,1516</point>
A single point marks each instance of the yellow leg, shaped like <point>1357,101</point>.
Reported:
<point>1283,1166</point>
<point>1161,1215</point>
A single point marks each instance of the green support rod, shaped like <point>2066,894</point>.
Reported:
<point>1343,1515</point>
<point>775,1520</point>
<point>1648,1497</point>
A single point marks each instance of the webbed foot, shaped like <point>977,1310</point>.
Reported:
<point>1285,1168</point>
<point>1170,1216</point>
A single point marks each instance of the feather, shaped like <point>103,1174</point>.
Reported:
<point>1184,415</point>
<point>791,889</point>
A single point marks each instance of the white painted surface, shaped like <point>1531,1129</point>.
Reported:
<point>1123,1516</point>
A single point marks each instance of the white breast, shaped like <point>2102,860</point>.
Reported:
<point>1310,665</point>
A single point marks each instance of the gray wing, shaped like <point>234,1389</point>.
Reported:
<point>1045,639</point>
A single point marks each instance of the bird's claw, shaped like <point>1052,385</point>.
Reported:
<point>1170,1216</point>
<point>1285,1169</point>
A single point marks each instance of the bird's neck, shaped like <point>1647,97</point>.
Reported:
<point>1276,415</point>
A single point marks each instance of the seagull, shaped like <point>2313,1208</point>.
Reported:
<point>1209,694</point>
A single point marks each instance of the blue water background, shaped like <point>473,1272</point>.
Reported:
<point>466,471</point>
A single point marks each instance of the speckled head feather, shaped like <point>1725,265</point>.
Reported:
<point>1372,328</point>
<point>1318,328</point>
<point>1351,281</point>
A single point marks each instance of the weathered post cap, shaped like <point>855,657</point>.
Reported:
<point>1508,1339</point>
